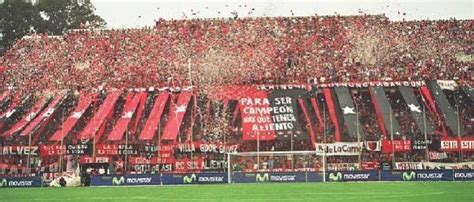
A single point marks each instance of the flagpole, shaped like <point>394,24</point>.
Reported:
<point>62,142</point>
<point>324,143</point>
<point>126,152</point>
<point>459,132</point>
<point>391,135</point>
<point>29,147</point>
<point>291,148</point>
<point>426,135</point>
<point>358,133</point>
<point>258,151</point>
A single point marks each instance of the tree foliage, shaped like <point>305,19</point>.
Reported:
<point>53,17</point>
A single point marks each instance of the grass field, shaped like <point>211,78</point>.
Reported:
<point>375,191</point>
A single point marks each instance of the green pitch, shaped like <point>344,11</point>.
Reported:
<point>375,191</point>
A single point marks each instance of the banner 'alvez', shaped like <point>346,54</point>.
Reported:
<point>398,146</point>
<point>176,115</point>
<point>270,115</point>
<point>131,103</point>
<point>348,111</point>
<point>44,117</point>
<point>416,110</point>
<point>18,151</point>
<point>447,110</point>
<point>151,125</point>
<point>92,128</point>
<point>85,101</point>
<point>339,149</point>
<point>39,105</point>
<point>384,112</point>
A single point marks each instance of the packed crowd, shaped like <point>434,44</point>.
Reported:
<point>218,52</point>
<point>242,51</point>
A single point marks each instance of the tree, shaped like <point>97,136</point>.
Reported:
<point>54,17</point>
<point>61,15</point>
<point>17,18</point>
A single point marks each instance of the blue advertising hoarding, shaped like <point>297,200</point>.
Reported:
<point>348,176</point>
<point>463,175</point>
<point>128,180</point>
<point>194,178</point>
<point>20,182</point>
<point>417,175</point>
<point>269,177</point>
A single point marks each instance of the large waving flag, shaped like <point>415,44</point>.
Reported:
<point>384,112</point>
<point>83,104</point>
<point>131,104</point>
<point>346,104</point>
<point>176,115</point>
<point>34,111</point>
<point>416,110</point>
<point>44,117</point>
<point>332,113</point>
<point>151,125</point>
<point>448,113</point>
<point>95,125</point>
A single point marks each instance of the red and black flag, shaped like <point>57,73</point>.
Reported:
<point>14,112</point>
<point>416,110</point>
<point>447,111</point>
<point>384,112</point>
<point>349,112</point>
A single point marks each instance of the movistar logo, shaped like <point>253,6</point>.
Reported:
<point>4,183</point>
<point>118,181</point>
<point>187,180</point>
<point>261,178</point>
<point>335,176</point>
<point>408,176</point>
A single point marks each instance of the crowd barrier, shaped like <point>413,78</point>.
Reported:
<point>257,177</point>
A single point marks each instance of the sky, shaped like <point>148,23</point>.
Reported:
<point>139,13</point>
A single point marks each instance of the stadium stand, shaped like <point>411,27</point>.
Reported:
<point>187,90</point>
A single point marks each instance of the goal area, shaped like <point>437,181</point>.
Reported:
<point>259,166</point>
